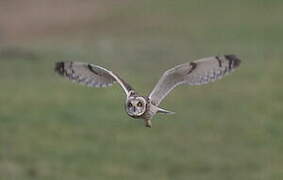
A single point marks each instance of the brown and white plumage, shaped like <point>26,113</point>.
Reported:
<point>198,72</point>
<point>90,75</point>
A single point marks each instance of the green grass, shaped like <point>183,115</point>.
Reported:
<point>231,129</point>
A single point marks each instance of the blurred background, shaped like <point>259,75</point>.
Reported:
<point>53,129</point>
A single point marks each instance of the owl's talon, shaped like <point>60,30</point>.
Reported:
<point>148,123</point>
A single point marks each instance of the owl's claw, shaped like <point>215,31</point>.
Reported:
<point>148,123</point>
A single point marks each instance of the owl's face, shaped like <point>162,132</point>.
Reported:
<point>135,105</point>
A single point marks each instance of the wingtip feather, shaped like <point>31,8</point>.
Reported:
<point>233,60</point>
<point>60,68</point>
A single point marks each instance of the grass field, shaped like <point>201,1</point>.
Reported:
<point>231,129</point>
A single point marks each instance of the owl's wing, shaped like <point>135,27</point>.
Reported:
<point>198,72</point>
<point>90,75</point>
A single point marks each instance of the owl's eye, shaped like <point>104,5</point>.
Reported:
<point>139,104</point>
<point>130,104</point>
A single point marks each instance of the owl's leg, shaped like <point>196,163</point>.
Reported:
<point>148,123</point>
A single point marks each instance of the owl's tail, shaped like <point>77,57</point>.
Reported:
<point>164,111</point>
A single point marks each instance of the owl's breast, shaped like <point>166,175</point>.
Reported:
<point>150,112</point>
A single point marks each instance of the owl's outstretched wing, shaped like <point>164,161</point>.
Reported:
<point>90,75</point>
<point>198,72</point>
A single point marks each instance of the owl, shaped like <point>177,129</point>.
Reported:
<point>193,73</point>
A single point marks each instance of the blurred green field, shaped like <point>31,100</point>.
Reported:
<point>231,129</point>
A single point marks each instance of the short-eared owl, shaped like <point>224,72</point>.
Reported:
<point>198,72</point>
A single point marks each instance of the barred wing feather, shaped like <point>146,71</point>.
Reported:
<point>198,72</point>
<point>90,75</point>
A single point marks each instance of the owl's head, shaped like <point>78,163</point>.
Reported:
<point>135,106</point>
